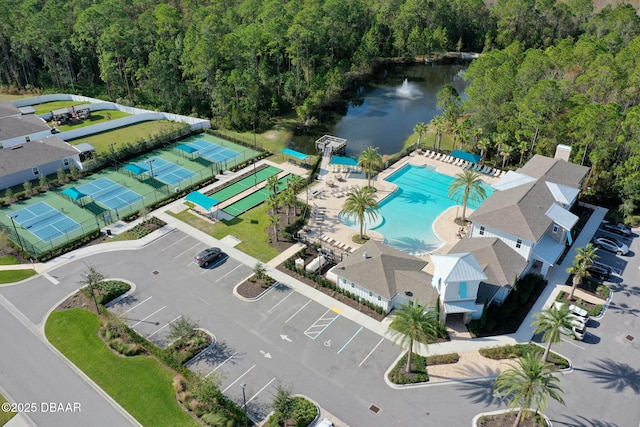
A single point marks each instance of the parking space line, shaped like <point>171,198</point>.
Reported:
<point>260,391</point>
<point>349,340</point>
<point>299,310</point>
<point>149,336</point>
<point>239,265</point>
<point>220,365</point>
<point>152,314</point>
<point>187,250</point>
<point>371,352</point>
<point>572,343</point>
<point>279,302</point>
<point>174,243</point>
<point>138,305</point>
<point>319,326</point>
<point>238,379</point>
<point>215,264</point>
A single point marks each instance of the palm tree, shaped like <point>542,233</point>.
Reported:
<point>361,202</point>
<point>585,257</point>
<point>420,129</point>
<point>275,220</point>
<point>370,160</point>
<point>549,322</point>
<point>272,184</point>
<point>438,127</point>
<point>295,183</point>
<point>506,151</point>
<point>528,385</point>
<point>471,185</point>
<point>91,278</point>
<point>484,144</point>
<point>523,147</point>
<point>273,202</point>
<point>413,323</point>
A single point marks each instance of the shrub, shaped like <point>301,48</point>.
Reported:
<point>111,289</point>
<point>179,383</point>
<point>443,359</point>
<point>419,371</point>
<point>519,350</point>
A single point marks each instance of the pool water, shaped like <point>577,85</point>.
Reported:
<point>407,215</point>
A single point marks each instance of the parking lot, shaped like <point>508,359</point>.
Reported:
<point>273,341</point>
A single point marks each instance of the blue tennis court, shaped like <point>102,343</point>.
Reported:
<point>213,152</point>
<point>44,221</point>
<point>109,193</point>
<point>165,171</point>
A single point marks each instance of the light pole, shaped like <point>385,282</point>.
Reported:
<point>244,404</point>
<point>151,166</point>
<point>255,177</point>
<point>113,153</point>
<point>16,230</point>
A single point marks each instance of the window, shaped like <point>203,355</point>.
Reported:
<point>65,162</point>
<point>35,171</point>
<point>555,228</point>
<point>353,285</point>
<point>370,293</point>
<point>518,243</point>
<point>482,230</point>
<point>379,298</point>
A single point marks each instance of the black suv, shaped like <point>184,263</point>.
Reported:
<point>205,257</point>
<point>600,271</point>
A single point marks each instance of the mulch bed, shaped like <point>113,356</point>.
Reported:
<point>252,289</point>
<point>507,419</point>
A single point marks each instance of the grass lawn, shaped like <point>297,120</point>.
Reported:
<point>10,276</point>
<point>127,134</point>
<point>249,227</point>
<point>140,384</point>
<point>428,139</point>
<point>96,117</point>
<point>5,416</point>
<point>47,107</point>
<point>8,260</point>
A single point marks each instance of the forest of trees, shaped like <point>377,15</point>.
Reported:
<point>551,72</point>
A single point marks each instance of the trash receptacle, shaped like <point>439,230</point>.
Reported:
<point>108,231</point>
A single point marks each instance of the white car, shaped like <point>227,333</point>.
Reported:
<point>577,331</point>
<point>581,313</point>
<point>611,244</point>
<point>324,423</point>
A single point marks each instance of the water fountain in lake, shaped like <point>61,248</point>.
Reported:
<point>408,90</point>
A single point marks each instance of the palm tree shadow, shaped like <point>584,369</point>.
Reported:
<point>623,309</point>
<point>480,392</point>
<point>415,197</point>
<point>582,422</point>
<point>614,375</point>
<point>412,245</point>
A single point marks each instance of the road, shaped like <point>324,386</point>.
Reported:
<point>286,339</point>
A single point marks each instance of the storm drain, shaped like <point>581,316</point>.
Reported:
<point>374,409</point>
<point>155,273</point>
<point>629,337</point>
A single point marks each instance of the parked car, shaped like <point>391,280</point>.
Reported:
<point>611,244</point>
<point>577,331</point>
<point>581,314</point>
<point>324,423</point>
<point>206,256</point>
<point>600,271</point>
<point>618,228</point>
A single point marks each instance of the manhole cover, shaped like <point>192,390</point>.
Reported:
<point>374,409</point>
<point>155,273</point>
<point>630,337</point>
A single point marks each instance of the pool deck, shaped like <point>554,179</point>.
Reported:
<point>327,205</point>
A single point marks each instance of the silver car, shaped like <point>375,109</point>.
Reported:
<point>611,244</point>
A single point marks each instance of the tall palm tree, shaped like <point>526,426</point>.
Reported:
<point>438,127</point>
<point>370,160</point>
<point>523,147</point>
<point>360,203</point>
<point>413,323</point>
<point>272,184</point>
<point>275,220</point>
<point>506,151</point>
<point>529,384</point>
<point>585,257</point>
<point>471,185</point>
<point>484,144</point>
<point>295,183</point>
<point>549,321</point>
<point>420,129</point>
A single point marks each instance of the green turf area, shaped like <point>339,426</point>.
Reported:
<point>8,260</point>
<point>11,276</point>
<point>5,416</point>
<point>100,116</point>
<point>140,384</point>
<point>245,183</point>
<point>127,134</point>
<point>254,199</point>
<point>249,227</point>
<point>47,107</point>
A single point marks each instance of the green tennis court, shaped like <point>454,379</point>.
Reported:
<point>247,182</point>
<point>254,199</point>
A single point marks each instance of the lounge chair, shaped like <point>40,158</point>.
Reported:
<point>427,153</point>
<point>450,159</point>
<point>502,173</point>
<point>470,166</point>
<point>444,158</point>
<point>487,169</point>
<point>478,167</point>
<point>432,155</point>
<point>497,173</point>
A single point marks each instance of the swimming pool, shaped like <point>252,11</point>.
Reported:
<point>341,160</point>
<point>407,215</point>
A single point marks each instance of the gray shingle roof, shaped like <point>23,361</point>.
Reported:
<point>555,170</point>
<point>499,262</point>
<point>13,126</point>
<point>8,109</point>
<point>34,153</point>
<point>388,271</point>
